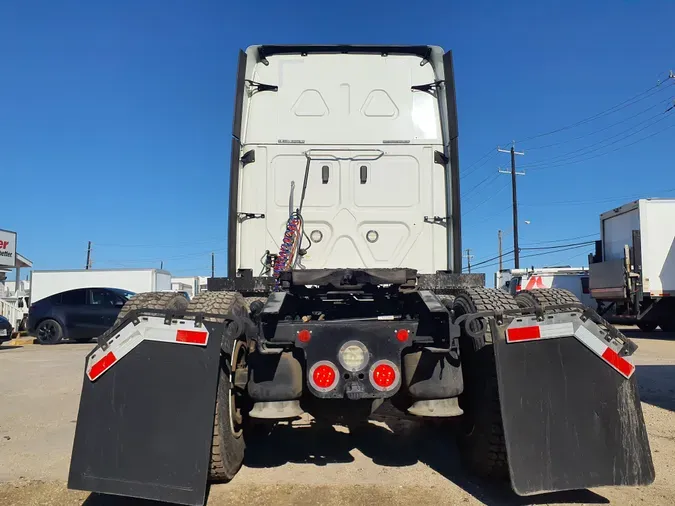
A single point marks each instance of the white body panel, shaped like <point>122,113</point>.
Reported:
<point>655,220</point>
<point>572,279</point>
<point>189,284</point>
<point>345,112</point>
<point>46,283</point>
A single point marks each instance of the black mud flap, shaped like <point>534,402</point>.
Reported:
<point>144,428</point>
<point>570,420</point>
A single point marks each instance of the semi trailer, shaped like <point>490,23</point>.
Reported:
<point>345,291</point>
<point>632,273</point>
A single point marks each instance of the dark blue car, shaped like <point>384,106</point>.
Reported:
<point>5,329</point>
<point>79,315</point>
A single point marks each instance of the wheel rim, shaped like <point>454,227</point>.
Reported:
<point>47,332</point>
<point>236,413</point>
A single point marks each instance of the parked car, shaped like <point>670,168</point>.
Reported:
<point>5,329</point>
<point>80,314</point>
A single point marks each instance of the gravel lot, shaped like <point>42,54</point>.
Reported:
<point>391,462</point>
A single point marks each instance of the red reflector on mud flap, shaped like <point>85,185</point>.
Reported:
<point>102,365</point>
<point>523,333</point>
<point>191,336</point>
<point>617,362</point>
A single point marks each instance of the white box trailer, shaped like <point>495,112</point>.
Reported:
<point>46,283</point>
<point>633,273</point>
<point>572,279</point>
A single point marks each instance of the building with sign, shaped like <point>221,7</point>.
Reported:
<point>14,293</point>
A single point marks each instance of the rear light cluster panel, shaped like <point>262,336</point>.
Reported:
<point>365,356</point>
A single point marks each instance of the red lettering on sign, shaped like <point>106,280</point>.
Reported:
<point>4,244</point>
<point>535,282</point>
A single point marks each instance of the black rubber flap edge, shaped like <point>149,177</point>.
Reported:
<point>145,427</point>
<point>570,420</point>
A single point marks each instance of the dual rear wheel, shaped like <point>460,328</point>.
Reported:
<point>481,439</point>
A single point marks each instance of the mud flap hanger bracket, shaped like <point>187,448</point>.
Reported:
<point>528,324</point>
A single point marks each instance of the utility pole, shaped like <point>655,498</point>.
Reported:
<point>499,239</point>
<point>516,249</point>
<point>88,266</point>
<point>469,256</point>
<point>213,265</point>
<point>161,265</point>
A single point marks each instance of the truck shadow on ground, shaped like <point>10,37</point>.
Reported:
<point>400,443</point>
<point>657,385</point>
<point>638,334</point>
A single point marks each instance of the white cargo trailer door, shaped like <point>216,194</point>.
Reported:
<point>617,231</point>
<point>657,219</point>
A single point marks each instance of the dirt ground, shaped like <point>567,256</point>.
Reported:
<point>392,462</point>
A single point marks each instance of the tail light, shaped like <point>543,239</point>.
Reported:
<point>323,376</point>
<point>384,375</point>
<point>402,335</point>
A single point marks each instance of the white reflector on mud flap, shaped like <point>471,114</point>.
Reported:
<point>150,328</point>
<point>529,329</point>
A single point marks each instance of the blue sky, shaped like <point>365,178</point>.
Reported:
<point>115,116</point>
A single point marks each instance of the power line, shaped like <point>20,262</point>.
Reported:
<point>561,246</point>
<point>622,105</point>
<point>574,162</point>
<point>493,176</point>
<point>594,201</point>
<point>469,172</point>
<point>182,243</point>
<point>529,256</point>
<point>659,104</point>
<point>563,240</point>
<point>490,259</point>
<point>586,149</point>
<point>487,199</point>
<point>178,257</point>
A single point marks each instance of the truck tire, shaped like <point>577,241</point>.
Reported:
<point>255,304</point>
<point>228,445</point>
<point>169,301</point>
<point>49,332</point>
<point>446,300</point>
<point>546,297</point>
<point>481,438</point>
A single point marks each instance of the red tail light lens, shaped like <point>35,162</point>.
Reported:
<point>402,334</point>
<point>384,375</point>
<point>304,336</point>
<point>323,376</point>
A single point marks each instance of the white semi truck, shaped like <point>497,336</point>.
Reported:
<point>345,291</point>
<point>632,273</point>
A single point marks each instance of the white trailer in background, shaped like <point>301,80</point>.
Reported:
<point>46,283</point>
<point>573,279</point>
<point>632,274</point>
